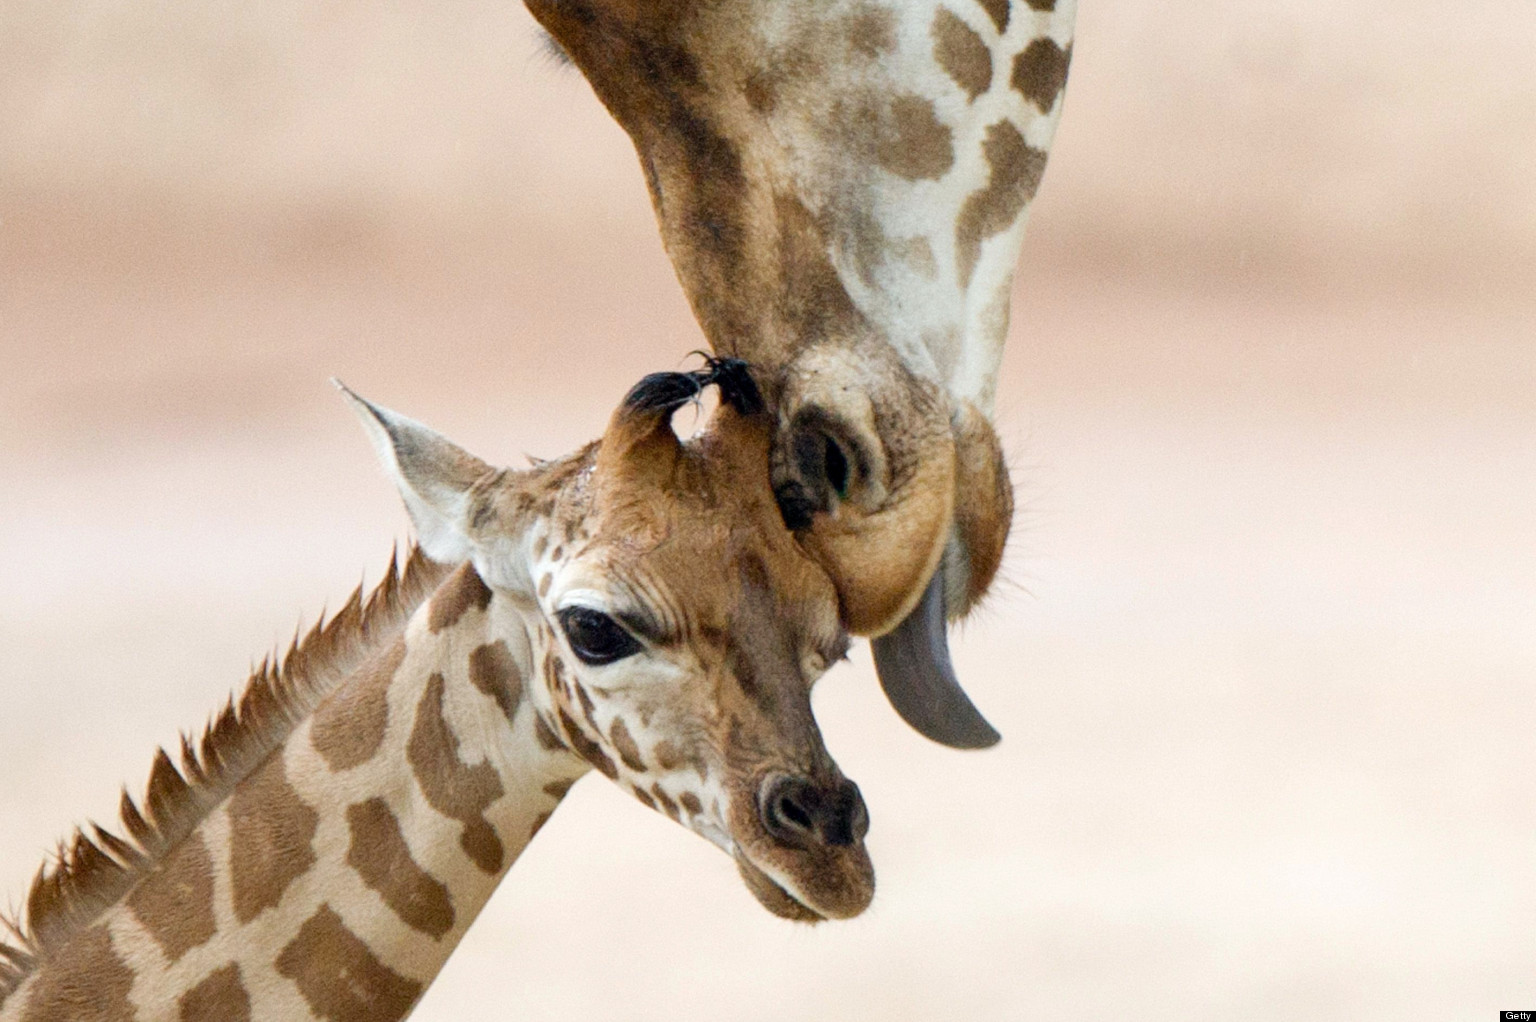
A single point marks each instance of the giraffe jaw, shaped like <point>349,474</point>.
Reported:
<point>772,895</point>
<point>812,886</point>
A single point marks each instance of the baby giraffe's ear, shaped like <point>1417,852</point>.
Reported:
<point>434,476</point>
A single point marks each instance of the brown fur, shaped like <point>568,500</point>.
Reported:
<point>382,858</point>
<point>457,791</point>
<point>961,53</point>
<point>221,997</point>
<point>91,874</point>
<point>998,11</point>
<point>340,978</point>
<point>175,902</point>
<point>1040,72</point>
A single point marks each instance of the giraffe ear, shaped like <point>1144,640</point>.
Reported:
<point>433,474</point>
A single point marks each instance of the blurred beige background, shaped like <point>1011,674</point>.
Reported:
<point>1265,660</point>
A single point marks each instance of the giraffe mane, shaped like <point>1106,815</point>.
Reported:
<point>90,873</point>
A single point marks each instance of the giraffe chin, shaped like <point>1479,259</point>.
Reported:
<point>844,898</point>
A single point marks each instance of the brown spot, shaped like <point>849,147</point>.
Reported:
<point>913,144</point>
<point>559,552</point>
<point>667,755</point>
<point>538,825</point>
<point>558,789</point>
<point>493,671</point>
<point>544,584</point>
<point>1043,5</point>
<point>586,748</point>
<point>349,724</point>
<point>219,998</point>
<point>587,709</point>
<point>691,803</point>
<point>917,253</point>
<point>961,53</point>
<point>175,901</point>
<point>872,31</point>
<point>462,591</point>
<point>383,859</point>
<point>810,297</point>
<point>998,11</point>
<point>83,981</point>
<point>1040,72</point>
<point>457,791</point>
<point>539,546</point>
<point>1015,175</point>
<point>644,796</point>
<point>624,742</point>
<point>270,830</point>
<point>546,734</point>
<point>665,801</point>
<point>340,978</point>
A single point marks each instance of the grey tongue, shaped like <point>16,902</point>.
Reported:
<point>913,664</point>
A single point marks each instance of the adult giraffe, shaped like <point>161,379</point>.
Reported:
<point>842,186</point>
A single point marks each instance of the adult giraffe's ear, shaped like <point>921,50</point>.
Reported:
<point>435,477</point>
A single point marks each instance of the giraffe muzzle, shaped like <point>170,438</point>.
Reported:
<point>800,813</point>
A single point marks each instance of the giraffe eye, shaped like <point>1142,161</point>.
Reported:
<point>596,638</point>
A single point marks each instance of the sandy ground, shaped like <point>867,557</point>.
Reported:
<point>1264,659</point>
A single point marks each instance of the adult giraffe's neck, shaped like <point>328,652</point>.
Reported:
<point>857,171</point>
<point>337,877</point>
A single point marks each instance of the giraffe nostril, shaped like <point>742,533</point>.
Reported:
<point>800,813</point>
<point>791,811</point>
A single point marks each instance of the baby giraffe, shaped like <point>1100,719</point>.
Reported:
<point>637,607</point>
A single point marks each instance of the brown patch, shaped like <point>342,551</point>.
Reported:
<point>546,734</point>
<point>872,31</point>
<point>1040,72</point>
<point>559,553</point>
<point>691,803</point>
<point>539,546</point>
<point>667,755</point>
<point>349,725</point>
<point>270,831</point>
<point>586,748</point>
<point>643,795</point>
<point>559,789</point>
<point>175,902</point>
<point>961,53</point>
<point>810,298</point>
<point>665,801</point>
<point>624,742</point>
<point>221,997</point>
<point>914,145</point>
<point>538,825</point>
<point>383,859</point>
<point>917,253</point>
<point>1042,5</point>
<point>493,671</point>
<point>340,978</point>
<point>588,710</point>
<point>544,584</point>
<point>463,590</point>
<point>84,981</point>
<point>1016,168</point>
<point>998,11</point>
<point>457,791</point>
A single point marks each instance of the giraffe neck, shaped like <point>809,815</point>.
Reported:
<point>338,876</point>
<point>852,170</point>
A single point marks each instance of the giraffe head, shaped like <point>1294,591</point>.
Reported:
<point>677,625</point>
<point>842,186</point>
